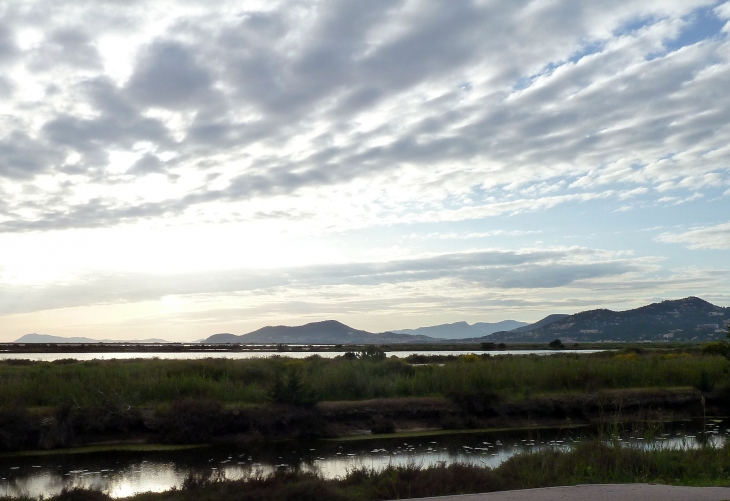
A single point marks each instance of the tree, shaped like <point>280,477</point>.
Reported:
<point>374,353</point>
<point>556,344</point>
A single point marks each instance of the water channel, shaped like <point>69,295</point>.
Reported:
<point>122,474</point>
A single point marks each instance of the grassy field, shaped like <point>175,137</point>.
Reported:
<point>47,405</point>
<point>255,381</point>
<point>591,462</point>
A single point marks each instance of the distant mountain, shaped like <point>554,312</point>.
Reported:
<point>461,330</point>
<point>540,323</point>
<point>688,319</point>
<point>45,338</point>
<point>327,332</point>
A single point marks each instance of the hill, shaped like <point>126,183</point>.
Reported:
<point>688,319</point>
<point>540,323</point>
<point>461,330</point>
<point>327,332</point>
<point>48,339</point>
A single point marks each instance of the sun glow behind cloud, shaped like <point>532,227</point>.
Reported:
<point>184,167</point>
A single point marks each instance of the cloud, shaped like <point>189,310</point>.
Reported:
<point>487,269</point>
<point>167,75</point>
<point>700,237</point>
<point>437,101</point>
<point>8,47</point>
<point>65,47</point>
<point>22,157</point>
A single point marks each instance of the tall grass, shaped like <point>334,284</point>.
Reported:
<point>151,382</point>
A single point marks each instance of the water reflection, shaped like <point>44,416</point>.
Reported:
<point>123,474</point>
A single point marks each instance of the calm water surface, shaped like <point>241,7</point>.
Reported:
<point>195,355</point>
<point>123,474</point>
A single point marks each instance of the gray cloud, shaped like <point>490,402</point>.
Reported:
<point>167,75</point>
<point>22,157</point>
<point>70,47</point>
<point>8,48</point>
<point>504,95</point>
<point>488,270</point>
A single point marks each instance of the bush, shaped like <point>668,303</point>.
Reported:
<point>190,421</point>
<point>705,383</point>
<point>16,429</point>
<point>382,425</point>
<point>291,391</point>
<point>78,494</point>
<point>556,344</point>
<point>373,353</point>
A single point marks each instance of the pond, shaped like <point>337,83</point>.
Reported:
<point>237,355</point>
<point>123,474</point>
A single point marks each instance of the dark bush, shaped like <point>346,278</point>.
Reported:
<point>78,494</point>
<point>477,402</point>
<point>18,361</point>
<point>718,348</point>
<point>16,428</point>
<point>372,352</point>
<point>556,344</point>
<point>395,367</point>
<point>291,391</point>
<point>190,421</point>
<point>705,383</point>
<point>382,425</point>
<point>65,361</point>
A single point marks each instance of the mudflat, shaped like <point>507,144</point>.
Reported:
<point>600,492</point>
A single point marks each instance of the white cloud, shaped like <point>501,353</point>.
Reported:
<point>701,237</point>
<point>392,95</point>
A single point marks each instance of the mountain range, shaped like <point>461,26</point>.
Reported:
<point>46,338</point>
<point>461,330</point>
<point>327,332</point>
<point>688,319</point>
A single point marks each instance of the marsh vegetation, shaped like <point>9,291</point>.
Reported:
<point>64,403</point>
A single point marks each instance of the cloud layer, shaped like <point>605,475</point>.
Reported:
<point>307,119</point>
<point>241,104</point>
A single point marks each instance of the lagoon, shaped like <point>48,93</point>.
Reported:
<point>124,473</point>
<point>239,355</point>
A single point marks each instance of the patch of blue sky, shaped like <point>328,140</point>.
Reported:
<point>702,24</point>
<point>587,49</point>
<point>633,25</point>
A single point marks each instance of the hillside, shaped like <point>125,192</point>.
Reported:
<point>461,330</point>
<point>327,332</point>
<point>540,323</point>
<point>688,319</point>
<point>48,339</point>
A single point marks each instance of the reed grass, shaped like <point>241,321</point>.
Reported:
<point>145,382</point>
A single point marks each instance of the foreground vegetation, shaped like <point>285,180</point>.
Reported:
<point>56,404</point>
<point>149,382</point>
<point>590,462</point>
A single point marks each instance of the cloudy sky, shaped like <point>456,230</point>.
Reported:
<point>172,169</point>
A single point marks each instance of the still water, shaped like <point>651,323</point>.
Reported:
<point>123,474</point>
<point>195,355</point>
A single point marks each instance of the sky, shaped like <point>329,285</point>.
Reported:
<point>179,169</point>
